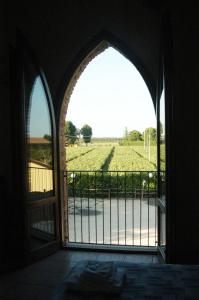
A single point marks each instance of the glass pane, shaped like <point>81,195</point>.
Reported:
<point>162,229</point>
<point>162,147</point>
<point>40,167</point>
<point>162,179</point>
<point>40,183</point>
<point>42,225</point>
<point>39,144</point>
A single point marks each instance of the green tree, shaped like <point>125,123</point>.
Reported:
<point>86,132</point>
<point>70,133</point>
<point>47,137</point>
<point>152,132</point>
<point>134,135</point>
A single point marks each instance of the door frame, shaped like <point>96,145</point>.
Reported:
<point>166,71</point>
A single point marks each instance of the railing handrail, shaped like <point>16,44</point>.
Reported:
<point>44,168</point>
<point>108,189</point>
<point>109,171</point>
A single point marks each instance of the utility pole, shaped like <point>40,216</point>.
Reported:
<point>149,147</point>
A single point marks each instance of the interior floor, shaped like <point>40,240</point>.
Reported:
<point>39,280</point>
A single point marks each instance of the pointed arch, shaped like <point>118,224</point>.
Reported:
<point>91,49</point>
<point>94,47</point>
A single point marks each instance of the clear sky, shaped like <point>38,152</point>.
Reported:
<point>111,95</point>
<point>162,110</point>
<point>39,122</point>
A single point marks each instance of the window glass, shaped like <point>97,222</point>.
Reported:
<point>41,205</point>
<point>162,147</point>
<point>39,144</point>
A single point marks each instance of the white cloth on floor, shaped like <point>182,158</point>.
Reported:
<point>94,276</point>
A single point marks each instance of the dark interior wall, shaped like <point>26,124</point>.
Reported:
<point>4,88</point>
<point>58,31</point>
<point>185,31</point>
<point>57,34</point>
<point>5,138</point>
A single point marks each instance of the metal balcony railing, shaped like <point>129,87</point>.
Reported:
<point>112,207</point>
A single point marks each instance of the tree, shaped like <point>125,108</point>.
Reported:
<point>135,135</point>
<point>70,133</point>
<point>152,132</point>
<point>78,133</point>
<point>47,137</point>
<point>86,132</point>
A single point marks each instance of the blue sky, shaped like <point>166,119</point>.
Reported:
<point>111,95</point>
<point>39,122</point>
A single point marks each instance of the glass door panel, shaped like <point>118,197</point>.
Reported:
<point>162,176</point>
<point>41,196</point>
<point>40,168</point>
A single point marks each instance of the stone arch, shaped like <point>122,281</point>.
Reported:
<point>96,51</point>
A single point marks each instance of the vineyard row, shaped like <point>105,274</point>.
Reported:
<point>109,158</point>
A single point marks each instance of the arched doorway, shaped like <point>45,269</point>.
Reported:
<point>97,50</point>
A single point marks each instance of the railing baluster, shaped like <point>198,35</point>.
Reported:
<point>103,202</point>
<point>80,185</point>
<point>95,212</point>
<point>118,218</point>
<point>148,205</point>
<point>88,207</point>
<point>110,209</point>
<point>125,203</point>
<point>140,207</point>
<point>68,223</point>
<point>74,210</point>
<point>156,209</point>
<point>133,229</point>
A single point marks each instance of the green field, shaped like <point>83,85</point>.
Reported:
<point>111,158</point>
<point>92,159</point>
<point>86,163</point>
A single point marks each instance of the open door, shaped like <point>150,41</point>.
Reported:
<point>161,126</point>
<point>40,162</point>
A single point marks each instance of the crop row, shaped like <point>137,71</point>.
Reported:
<point>125,158</point>
<point>75,152</point>
<point>93,160</point>
<point>112,158</point>
<point>149,154</point>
